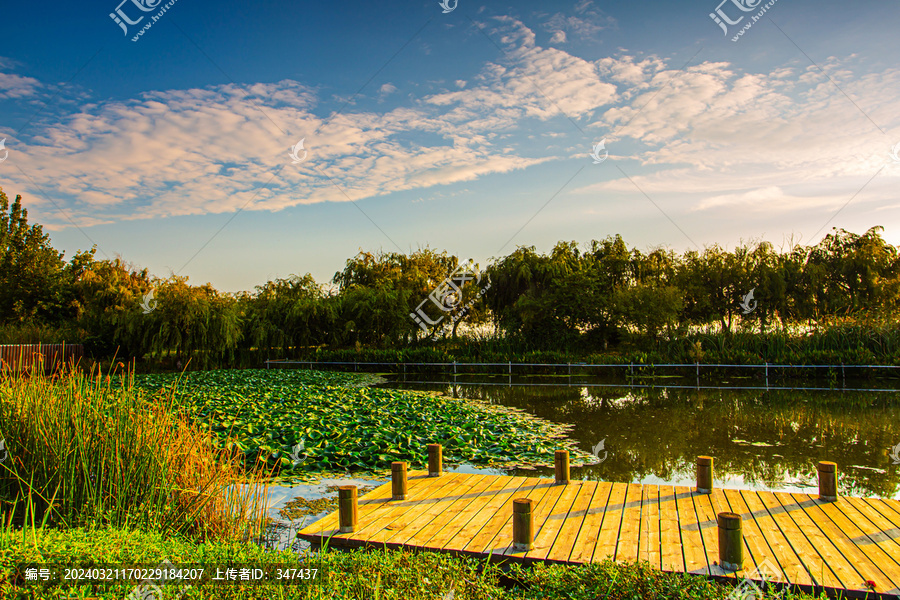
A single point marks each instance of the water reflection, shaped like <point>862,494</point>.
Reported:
<point>760,439</point>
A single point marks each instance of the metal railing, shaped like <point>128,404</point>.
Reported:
<point>635,372</point>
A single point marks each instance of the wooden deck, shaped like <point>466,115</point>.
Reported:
<point>793,538</point>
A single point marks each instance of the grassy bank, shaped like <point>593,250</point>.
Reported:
<point>359,575</point>
<point>87,450</point>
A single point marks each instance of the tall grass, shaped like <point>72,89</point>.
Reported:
<point>85,451</point>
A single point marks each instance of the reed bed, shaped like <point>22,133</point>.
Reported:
<point>93,450</point>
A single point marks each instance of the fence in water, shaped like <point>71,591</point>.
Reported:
<point>765,373</point>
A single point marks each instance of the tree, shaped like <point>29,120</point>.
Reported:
<point>35,282</point>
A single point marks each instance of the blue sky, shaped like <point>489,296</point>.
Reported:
<point>469,131</point>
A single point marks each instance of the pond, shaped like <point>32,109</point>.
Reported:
<point>760,439</point>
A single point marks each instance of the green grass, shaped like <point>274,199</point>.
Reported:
<point>344,426</point>
<point>84,451</point>
<point>362,575</point>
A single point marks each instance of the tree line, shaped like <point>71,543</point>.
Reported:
<point>603,296</point>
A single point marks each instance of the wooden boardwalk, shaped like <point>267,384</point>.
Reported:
<point>792,538</point>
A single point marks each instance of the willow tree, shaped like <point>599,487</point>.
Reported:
<point>194,322</point>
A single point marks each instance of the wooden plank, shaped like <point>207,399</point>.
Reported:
<point>377,512</point>
<point>782,550</point>
<point>672,555</point>
<point>842,569</point>
<point>379,498</point>
<point>482,542</point>
<point>502,542</point>
<point>759,552</point>
<point>543,508</point>
<point>885,555</point>
<point>583,548</point>
<point>808,562</point>
<point>835,526</point>
<point>435,534</point>
<point>565,541</point>
<point>890,509</point>
<point>550,526</point>
<point>707,525</point>
<point>408,529</point>
<point>691,538</point>
<point>605,545</point>
<point>648,547</point>
<point>825,564</point>
<point>493,501</point>
<point>884,532</point>
<point>628,543</point>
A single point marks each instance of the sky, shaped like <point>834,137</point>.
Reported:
<point>172,138</point>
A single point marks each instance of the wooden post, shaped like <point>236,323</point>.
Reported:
<point>523,524</point>
<point>398,480</point>
<point>828,481</point>
<point>435,460</point>
<point>347,508</point>
<point>561,461</point>
<point>704,474</point>
<point>731,541</point>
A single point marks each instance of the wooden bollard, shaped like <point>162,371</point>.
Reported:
<point>561,461</point>
<point>731,541</point>
<point>435,460</point>
<point>828,481</point>
<point>398,480</point>
<point>523,524</point>
<point>347,508</point>
<point>704,474</point>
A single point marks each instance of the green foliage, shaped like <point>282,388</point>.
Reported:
<point>35,283</point>
<point>354,575</point>
<point>601,298</point>
<point>344,427</point>
<point>85,451</point>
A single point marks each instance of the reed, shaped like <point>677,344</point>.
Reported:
<point>93,450</point>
